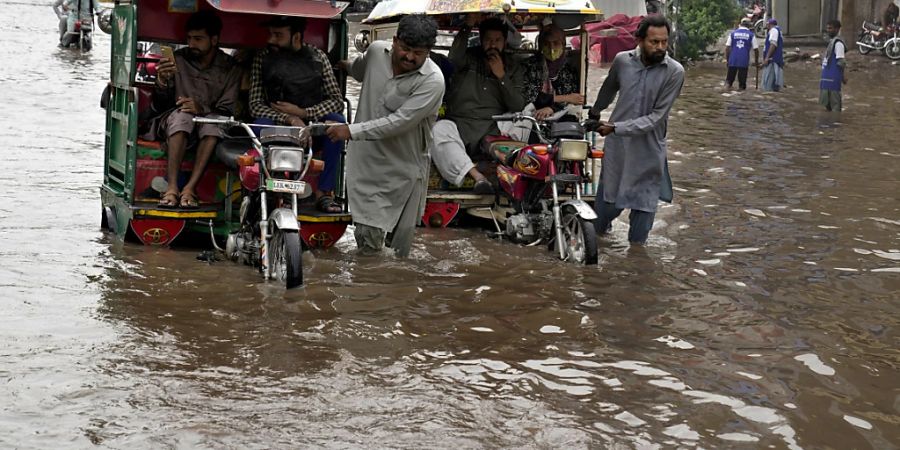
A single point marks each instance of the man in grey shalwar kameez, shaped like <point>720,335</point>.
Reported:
<point>387,162</point>
<point>635,172</point>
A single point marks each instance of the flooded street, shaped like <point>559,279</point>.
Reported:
<point>763,313</point>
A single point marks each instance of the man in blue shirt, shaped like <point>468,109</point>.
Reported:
<point>833,74</point>
<point>737,52</point>
<point>773,60</point>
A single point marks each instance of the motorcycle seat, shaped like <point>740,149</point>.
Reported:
<point>871,26</point>
<point>566,130</point>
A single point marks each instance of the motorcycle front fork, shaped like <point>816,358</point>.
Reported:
<point>264,232</point>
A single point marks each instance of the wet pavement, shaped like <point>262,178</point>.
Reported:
<point>762,313</point>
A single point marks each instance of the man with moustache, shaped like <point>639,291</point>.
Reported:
<point>202,81</point>
<point>292,83</point>
<point>486,82</point>
<point>388,163</point>
<point>635,173</point>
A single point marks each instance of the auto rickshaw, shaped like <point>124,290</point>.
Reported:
<point>568,227</point>
<point>134,166</point>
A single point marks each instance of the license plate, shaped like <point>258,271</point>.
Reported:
<point>287,186</point>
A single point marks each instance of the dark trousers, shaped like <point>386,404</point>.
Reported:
<point>741,73</point>
<point>640,222</point>
<point>331,151</point>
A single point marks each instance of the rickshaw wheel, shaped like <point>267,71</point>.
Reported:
<point>285,258</point>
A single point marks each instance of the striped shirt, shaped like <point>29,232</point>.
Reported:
<point>259,105</point>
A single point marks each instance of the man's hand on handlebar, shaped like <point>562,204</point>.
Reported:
<point>338,132</point>
<point>606,129</point>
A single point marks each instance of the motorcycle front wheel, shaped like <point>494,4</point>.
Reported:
<point>869,41</point>
<point>285,261</point>
<point>579,239</point>
<point>760,28</point>
<point>892,49</point>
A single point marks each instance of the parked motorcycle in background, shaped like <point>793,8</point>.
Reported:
<point>875,37</point>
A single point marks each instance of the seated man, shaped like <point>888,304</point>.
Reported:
<point>291,83</point>
<point>551,83</point>
<point>202,80</point>
<point>486,82</point>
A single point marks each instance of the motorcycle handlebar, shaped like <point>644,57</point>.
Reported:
<point>314,129</point>
<point>507,117</point>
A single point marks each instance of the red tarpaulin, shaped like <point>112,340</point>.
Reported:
<point>611,36</point>
<point>321,9</point>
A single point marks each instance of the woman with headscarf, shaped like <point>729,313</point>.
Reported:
<point>551,83</point>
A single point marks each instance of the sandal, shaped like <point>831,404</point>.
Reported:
<point>168,200</point>
<point>188,200</point>
<point>326,204</point>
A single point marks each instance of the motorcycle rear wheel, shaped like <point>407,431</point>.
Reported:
<point>285,260</point>
<point>869,40</point>
<point>579,239</point>
<point>892,49</point>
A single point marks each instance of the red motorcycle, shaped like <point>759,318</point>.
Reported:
<point>543,183</point>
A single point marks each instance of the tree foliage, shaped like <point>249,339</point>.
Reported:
<point>701,23</point>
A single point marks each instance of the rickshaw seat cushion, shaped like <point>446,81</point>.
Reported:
<point>228,150</point>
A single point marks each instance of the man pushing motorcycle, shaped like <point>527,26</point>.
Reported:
<point>635,172</point>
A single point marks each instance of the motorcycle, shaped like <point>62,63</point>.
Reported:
<point>532,178</point>
<point>875,37</point>
<point>81,36</point>
<point>757,16</point>
<point>271,174</point>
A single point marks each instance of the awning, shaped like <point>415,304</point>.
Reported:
<point>391,10</point>
<point>318,9</point>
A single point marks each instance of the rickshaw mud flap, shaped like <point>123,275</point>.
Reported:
<point>582,209</point>
<point>322,236</point>
<point>284,219</point>
<point>439,214</point>
<point>157,231</point>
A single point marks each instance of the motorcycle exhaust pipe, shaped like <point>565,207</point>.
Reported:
<point>863,44</point>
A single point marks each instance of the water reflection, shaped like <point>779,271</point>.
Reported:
<point>761,313</point>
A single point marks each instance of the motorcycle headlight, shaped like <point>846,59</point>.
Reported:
<point>573,149</point>
<point>285,159</point>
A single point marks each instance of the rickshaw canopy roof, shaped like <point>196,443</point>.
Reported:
<point>392,10</point>
<point>319,9</point>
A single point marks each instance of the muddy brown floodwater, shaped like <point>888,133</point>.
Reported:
<point>763,312</point>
